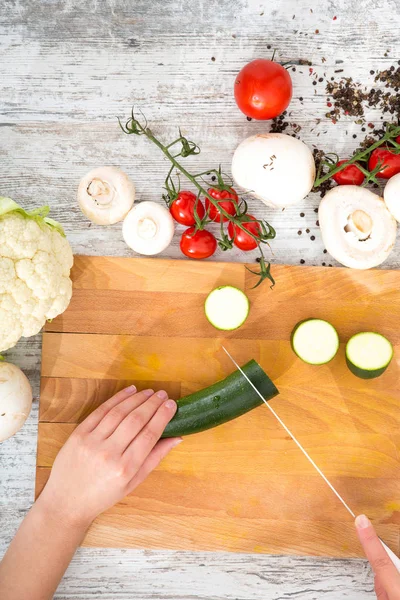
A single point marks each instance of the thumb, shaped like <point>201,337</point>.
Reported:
<point>382,566</point>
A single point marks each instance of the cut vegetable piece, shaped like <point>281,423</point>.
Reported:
<point>221,402</point>
<point>315,341</point>
<point>368,354</point>
<point>227,307</point>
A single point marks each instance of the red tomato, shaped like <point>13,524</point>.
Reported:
<point>350,175</point>
<point>227,199</point>
<point>198,244</point>
<point>241,239</point>
<point>390,162</point>
<point>182,208</point>
<point>263,89</point>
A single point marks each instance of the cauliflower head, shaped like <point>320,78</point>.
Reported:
<point>35,263</point>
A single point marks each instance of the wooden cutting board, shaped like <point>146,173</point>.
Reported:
<point>244,486</point>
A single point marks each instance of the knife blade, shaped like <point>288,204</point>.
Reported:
<point>395,559</point>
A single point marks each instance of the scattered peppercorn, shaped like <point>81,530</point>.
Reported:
<point>312,238</point>
<point>307,231</point>
<point>317,223</point>
<point>213,58</point>
<point>323,264</point>
<point>302,214</point>
<point>302,261</point>
<point>249,118</point>
<point>299,232</point>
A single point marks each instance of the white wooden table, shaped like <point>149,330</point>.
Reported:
<point>67,70</point>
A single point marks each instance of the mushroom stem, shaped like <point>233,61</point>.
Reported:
<point>361,221</point>
<point>147,228</point>
<point>100,191</point>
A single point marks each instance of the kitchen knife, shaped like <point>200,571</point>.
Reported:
<point>395,559</point>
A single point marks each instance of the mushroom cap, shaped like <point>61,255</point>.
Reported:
<point>106,195</point>
<point>274,167</point>
<point>391,195</point>
<point>356,227</point>
<point>15,399</point>
<point>148,228</point>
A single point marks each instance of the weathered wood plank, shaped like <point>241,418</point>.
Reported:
<point>63,71</point>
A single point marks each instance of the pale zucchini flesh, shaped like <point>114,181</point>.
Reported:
<point>227,308</point>
<point>368,354</point>
<point>315,341</point>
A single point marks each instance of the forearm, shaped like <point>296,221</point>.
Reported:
<point>39,554</point>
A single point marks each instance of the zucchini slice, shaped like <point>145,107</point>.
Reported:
<point>368,354</point>
<point>315,341</point>
<point>227,307</point>
<point>221,402</point>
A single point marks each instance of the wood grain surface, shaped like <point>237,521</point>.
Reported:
<point>66,71</point>
<point>243,486</point>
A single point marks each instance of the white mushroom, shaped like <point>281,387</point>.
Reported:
<point>15,399</point>
<point>357,228</point>
<point>148,228</point>
<point>274,167</point>
<point>391,195</point>
<point>106,195</point>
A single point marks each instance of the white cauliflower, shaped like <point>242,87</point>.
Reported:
<point>35,262</point>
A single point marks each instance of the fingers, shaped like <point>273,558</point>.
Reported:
<point>379,590</point>
<point>110,422</point>
<point>160,451</point>
<point>139,449</point>
<point>97,415</point>
<point>382,566</point>
<point>135,420</point>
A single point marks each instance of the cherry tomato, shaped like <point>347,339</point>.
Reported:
<point>350,175</point>
<point>198,244</point>
<point>241,239</point>
<point>227,199</point>
<point>390,162</point>
<point>263,89</point>
<point>182,208</point>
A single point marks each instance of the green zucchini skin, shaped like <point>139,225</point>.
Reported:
<point>363,373</point>
<point>221,402</point>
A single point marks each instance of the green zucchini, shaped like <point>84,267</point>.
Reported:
<point>221,402</point>
<point>315,341</point>
<point>368,354</point>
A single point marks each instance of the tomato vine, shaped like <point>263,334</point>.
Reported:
<point>182,148</point>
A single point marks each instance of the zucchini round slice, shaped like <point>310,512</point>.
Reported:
<point>315,341</point>
<point>368,354</point>
<point>221,402</point>
<point>227,307</point>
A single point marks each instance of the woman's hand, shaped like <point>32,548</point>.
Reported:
<point>108,455</point>
<point>387,578</point>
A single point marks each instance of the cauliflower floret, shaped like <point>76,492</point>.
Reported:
<point>35,262</point>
